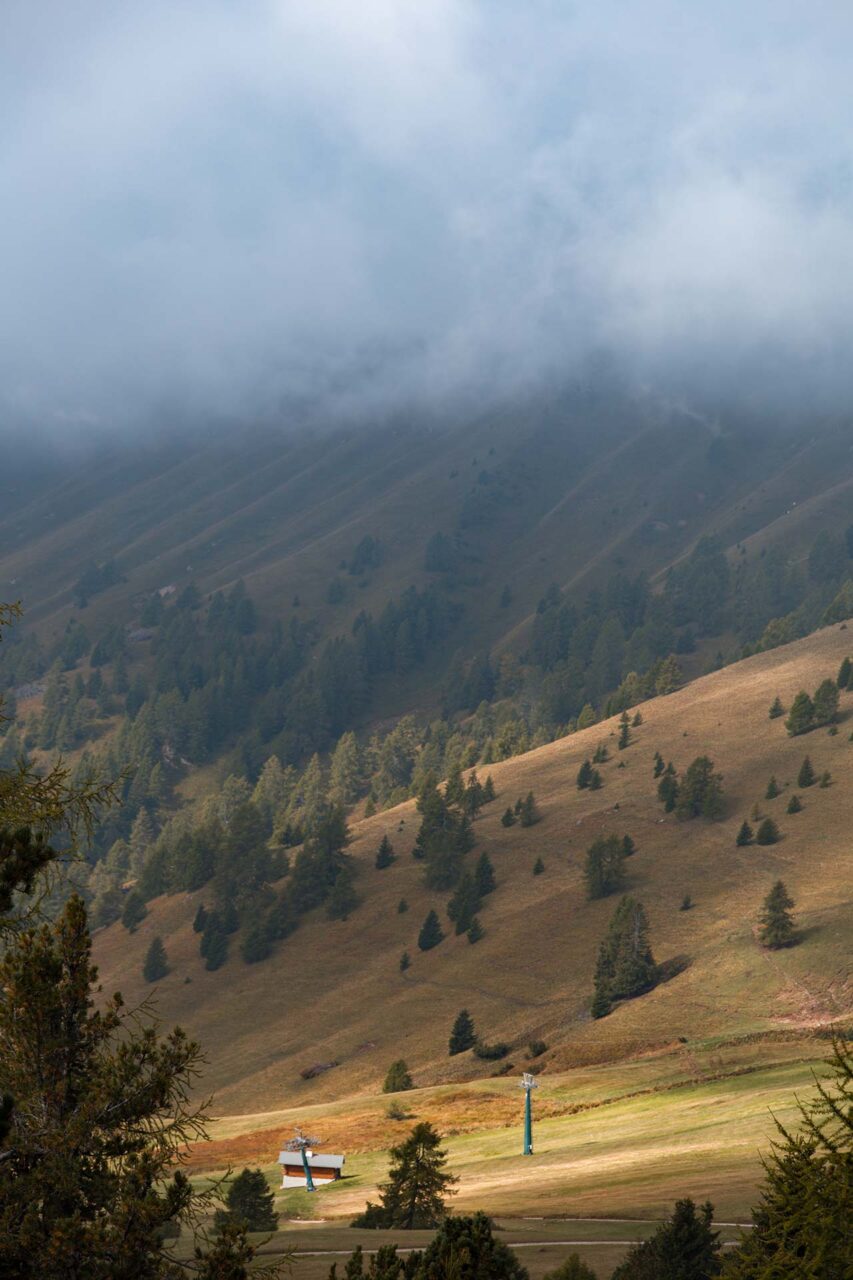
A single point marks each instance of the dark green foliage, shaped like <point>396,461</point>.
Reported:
<point>418,1183</point>
<point>684,1248</point>
<point>367,555</point>
<point>441,555</point>
<point>249,1202</point>
<point>772,789</point>
<point>686,903</point>
<point>801,1227</point>
<point>320,862</point>
<point>668,789</point>
<point>624,732</point>
<point>659,765</point>
<point>342,899</point>
<point>604,870</point>
<point>777,925</point>
<point>397,1078</point>
<point>700,794</point>
<point>402,907</point>
<point>134,911</point>
<point>538,867</point>
<point>767,833</point>
<point>584,775</point>
<point>23,854</point>
<point>385,854</point>
<point>600,755</point>
<point>465,903</point>
<point>214,942</point>
<point>628,846</point>
<point>488,789</point>
<point>444,837</point>
<point>200,918</point>
<point>595,783</point>
<point>484,875</point>
<point>625,965</point>
<point>795,805</point>
<point>745,835</point>
<point>491,1052</point>
<point>844,673</point>
<point>256,945</point>
<point>825,779</point>
<point>801,717</point>
<point>476,931</point>
<point>528,814</point>
<point>431,933</point>
<point>536,1048</point>
<point>156,965</point>
<point>806,776</point>
<point>508,818</point>
<point>405,961</point>
<point>463,1035</point>
<point>571,1269</point>
<point>229,919</point>
<point>825,702</point>
<point>776,709</point>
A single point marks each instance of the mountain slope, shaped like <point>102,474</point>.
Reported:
<point>333,991</point>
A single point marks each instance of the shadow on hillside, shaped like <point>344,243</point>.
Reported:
<point>669,969</point>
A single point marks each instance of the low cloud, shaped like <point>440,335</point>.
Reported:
<point>273,207</point>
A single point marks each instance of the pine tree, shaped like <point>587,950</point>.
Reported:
<point>584,775</point>
<point>777,924</point>
<point>342,899</point>
<point>745,836</point>
<point>134,911</point>
<point>767,833</point>
<point>772,789</point>
<point>538,867</point>
<point>700,793</point>
<point>464,904</point>
<point>414,1195</point>
<point>624,732</point>
<point>431,933</point>
<point>249,1202</point>
<point>397,1079</point>
<point>529,813</point>
<point>595,782</point>
<point>826,702</point>
<point>156,965</point>
<point>463,1035</point>
<point>467,1247</point>
<point>659,765</point>
<point>571,1269</point>
<point>604,870</point>
<point>684,1248</point>
<point>508,819</point>
<point>668,789</point>
<point>600,755</point>
<point>806,776</point>
<point>844,673</point>
<point>628,846</point>
<point>402,906</point>
<point>214,943</point>
<point>385,855</point>
<point>625,965</point>
<point>825,779</point>
<point>776,709</point>
<point>794,805</point>
<point>686,903</point>
<point>200,918</point>
<point>476,931</point>
<point>484,875</point>
<point>801,716</point>
<point>256,945</point>
<point>488,789</point>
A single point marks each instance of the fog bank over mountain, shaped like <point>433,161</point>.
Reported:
<point>251,210</point>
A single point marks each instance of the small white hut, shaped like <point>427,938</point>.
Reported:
<point>323,1168</point>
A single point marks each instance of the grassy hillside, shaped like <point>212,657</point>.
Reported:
<point>334,992</point>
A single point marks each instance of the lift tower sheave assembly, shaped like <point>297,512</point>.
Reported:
<point>528,1084</point>
<point>303,1145</point>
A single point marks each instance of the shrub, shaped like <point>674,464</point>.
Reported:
<point>491,1052</point>
<point>397,1078</point>
<point>536,1048</point>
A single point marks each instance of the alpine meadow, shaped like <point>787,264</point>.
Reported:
<point>426,644</point>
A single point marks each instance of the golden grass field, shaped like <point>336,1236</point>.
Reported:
<point>671,1094</point>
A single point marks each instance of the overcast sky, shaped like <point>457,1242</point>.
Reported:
<point>214,208</point>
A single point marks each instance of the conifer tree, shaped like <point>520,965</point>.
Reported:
<point>595,782</point>
<point>528,814</point>
<point>200,918</point>
<point>767,833</point>
<point>431,933</point>
<point>488,789</point>
<point>776,709</point>
<point>600,755</point>
<point>825,779</point>
<point>844,673</point>
<point>508,819</point>
<point>683,1248</point>
<point>700,793</point>
<point>604,870</point>
<point>659,765</point>
<point>476,931</point>
<point>801,716</point>
<point>464,904</point>
<point>628,846</point>
<point>463,1035</point>
<point>584,775</point>
<point>249,1203</point>
<point>624,732</point>
<point>402,906</point>
<point>405,961</point>
<point>745,836</point>
<point>625,965</point>
<point>385,854</point>
<point>826,702</point>
<point>806,776</point>
<point>397,1079</point>
<point>794,804</point>
<point>538,867</point>
<point>484,875</point>
<point>418,1184</point>
<point>772,789</point>
<point>668,788</point>
<point>777,925</point>
<point>342,899</point>
<point>156,966</point>
<point>214,942</point>
<point>134,911</point>
<point>256,945</point>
